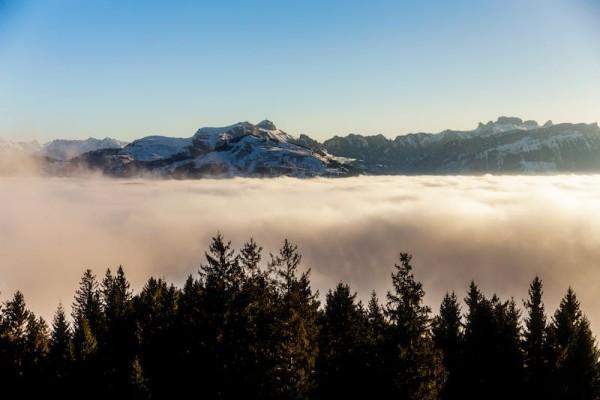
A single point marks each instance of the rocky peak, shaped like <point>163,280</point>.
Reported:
<point>266,124</point>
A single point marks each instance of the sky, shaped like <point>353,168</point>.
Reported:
<point>75,69</point>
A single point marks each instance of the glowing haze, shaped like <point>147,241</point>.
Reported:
<point>499,231</point>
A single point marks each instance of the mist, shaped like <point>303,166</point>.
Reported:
<point>498,231</point>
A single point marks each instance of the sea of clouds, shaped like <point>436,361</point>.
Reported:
<point>498,231</point>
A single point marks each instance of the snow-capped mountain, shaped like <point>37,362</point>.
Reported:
<point>152,148</point>
<point>67,149</point>
<point>508,145</point>
<point>242,149</point>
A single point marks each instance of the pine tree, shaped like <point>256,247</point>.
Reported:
<point>190,333</point>
<point>255,318</point>
<point>222,271</point>
<point>60,354</point>
<point>374,359</point>
<point>250,256</point>
<point>416,364</point>
<point>566,318</point>
<point>118,339</point>
<point>575,355</point>
<point>509,356</point>
<point>341,364</point>
<point>87,305</point>
<point>12,345</point>
<point>479,352</point>
<point>156,308</point>
<point>88,324</point>
<point>297,327</point>
<point>447,336</point>
<point>492,352</point>
<point>34,359</point>
<point>535,343</point>
<point>221,279</point>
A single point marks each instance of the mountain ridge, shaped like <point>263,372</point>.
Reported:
<point>507,145</point>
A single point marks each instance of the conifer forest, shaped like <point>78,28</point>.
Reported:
<point>248,327</point>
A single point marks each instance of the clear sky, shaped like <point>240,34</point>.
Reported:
<point>80,68</point>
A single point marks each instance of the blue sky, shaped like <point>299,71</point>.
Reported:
<point>75,69</point>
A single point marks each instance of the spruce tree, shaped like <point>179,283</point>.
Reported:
<point>156,309</point>
<point>222,279</point>
<point>375,348</point>
<point>509,356</point>
<point>574,352</point>
<point>35,353</point>
<point>193,367</point>
<point>87,305</point>
<point>222,271</point>
<point>297,326</point>
<point>342,347</point>
<point>416,365</point>
<point>256,318</point>
<point>118,339</point>
<point>535,343</point>
<point>250,256</point>
<point>13,345</point>
<point>447,336</point>
<point>60,354</point>
<point>479,350</point>
<point>492,352</point>
<point>88,324</point>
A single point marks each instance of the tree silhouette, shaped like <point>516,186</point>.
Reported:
<point>535,343</point>
<point>448,337</point>
<point>60,354</point>
<point>574,353</point>
<point>416,365</point>
<point>243,329</point>
<point>342,347</point>
<point>296,328</point>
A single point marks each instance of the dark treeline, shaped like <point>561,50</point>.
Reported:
<point>244,328</point>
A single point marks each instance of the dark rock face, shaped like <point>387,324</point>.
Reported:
<point>509,145</point>
<point>242,149</point>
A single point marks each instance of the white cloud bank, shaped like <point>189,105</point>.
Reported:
<point>499,231</point>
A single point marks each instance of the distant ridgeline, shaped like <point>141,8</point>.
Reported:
<point>246,329</point>
<point>509,145</point>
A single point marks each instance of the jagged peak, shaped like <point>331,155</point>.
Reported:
<point>504,124</point>
<point>503,120</point>
<point>266,124</point>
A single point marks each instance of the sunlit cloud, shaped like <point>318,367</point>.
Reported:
<point>499,231</point>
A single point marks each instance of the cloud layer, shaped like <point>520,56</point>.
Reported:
<point>499,231</point>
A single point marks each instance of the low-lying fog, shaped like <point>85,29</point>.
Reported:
<point>499,231</point>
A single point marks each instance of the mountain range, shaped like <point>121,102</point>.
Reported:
<point>507,145</point>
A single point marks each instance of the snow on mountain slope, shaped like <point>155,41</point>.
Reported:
<point>252,155</point>
<point>505,124</point>
<point>152,148</point>
<point>242,149</point>
<point>211,138</point>
<point>66,149</point>
<point>506,145</point>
